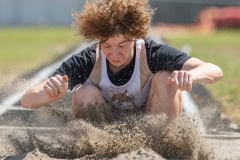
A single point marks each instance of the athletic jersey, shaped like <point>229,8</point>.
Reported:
<point>129,95</point>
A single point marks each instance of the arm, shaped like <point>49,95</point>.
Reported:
<point>185,70</point>
<point>48,91</point>
<point>195,71</point>
<point>202,72</point>
<point>76,70</point>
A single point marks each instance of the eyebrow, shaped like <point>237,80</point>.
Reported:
<point>120,42</point>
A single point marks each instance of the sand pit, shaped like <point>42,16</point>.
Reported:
<point>52,133</point>
<point>55,135</point>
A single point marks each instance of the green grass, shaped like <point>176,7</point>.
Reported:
<point>222,48</point>
<point>25,49</point>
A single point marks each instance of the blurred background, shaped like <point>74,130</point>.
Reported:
<point>58,12</point>
<point>35,33</point>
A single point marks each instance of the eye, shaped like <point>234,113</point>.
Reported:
<point>106,46</point>
<point>121,46</point>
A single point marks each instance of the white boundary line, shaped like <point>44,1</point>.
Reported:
<point>4,108</point>
<point>222,136</point>
<point>29,128</point>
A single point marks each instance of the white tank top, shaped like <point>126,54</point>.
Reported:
<point>129,95</point>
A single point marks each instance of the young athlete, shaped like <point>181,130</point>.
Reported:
<point>123,68</point>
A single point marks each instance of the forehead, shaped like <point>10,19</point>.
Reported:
<point>116,39</point>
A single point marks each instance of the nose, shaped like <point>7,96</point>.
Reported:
<point>115,52</point>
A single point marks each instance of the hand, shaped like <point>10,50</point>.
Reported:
<point>181,79</point>
<point>56,87</point>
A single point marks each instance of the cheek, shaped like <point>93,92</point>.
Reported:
<point>123,52</point>
<point>126,52</point>
<point>112,52</point>
<point>106,51</point>
<point>117,52</point>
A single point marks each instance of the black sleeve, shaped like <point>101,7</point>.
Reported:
<point>164,57</point>
<point>78,67</point>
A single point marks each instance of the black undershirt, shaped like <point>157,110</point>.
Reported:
<point>159,57</point>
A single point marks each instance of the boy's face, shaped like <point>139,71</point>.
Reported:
<point>118,50</point>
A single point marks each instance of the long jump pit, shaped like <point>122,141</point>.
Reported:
<point>51,133</point>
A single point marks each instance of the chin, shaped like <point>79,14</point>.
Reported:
<point>117,64</point>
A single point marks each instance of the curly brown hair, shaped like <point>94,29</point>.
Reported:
<point>102,19</point>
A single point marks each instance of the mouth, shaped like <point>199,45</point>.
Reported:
<point>115,61</point>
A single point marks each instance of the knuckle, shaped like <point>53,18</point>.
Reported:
<point>51,78</point>
<point>174,73</point>
<point>48,83</point>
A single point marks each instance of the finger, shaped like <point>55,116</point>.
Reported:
<point>190,82</point>
<point>54,80</point>
<point>53,86</point>
<point>49,90</point>
<point>175,77</point>
<point>60,83</point>
<point>65,78</point>
<point>180,79</point>
<point>185,81</point>
<point>171,80</point>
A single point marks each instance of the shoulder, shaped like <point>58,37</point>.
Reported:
<point>86,56</point>
<point>88,52</point>
<point>161,56</point>
<point>153,47</point>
